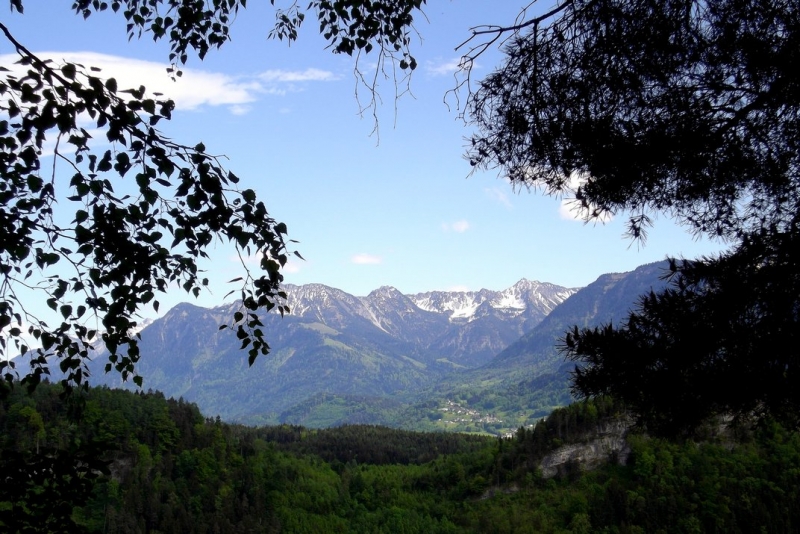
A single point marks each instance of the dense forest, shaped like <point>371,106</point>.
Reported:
<point>116,461</point>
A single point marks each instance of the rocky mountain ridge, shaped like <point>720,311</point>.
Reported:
<point>515,300</point>
<point>533,297</point>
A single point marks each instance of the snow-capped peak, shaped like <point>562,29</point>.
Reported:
<point>463,305</point>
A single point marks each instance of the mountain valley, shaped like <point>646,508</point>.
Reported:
<point>386,358</point>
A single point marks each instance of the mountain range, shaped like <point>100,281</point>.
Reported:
<point>332,342</point>
<point>383,358</point>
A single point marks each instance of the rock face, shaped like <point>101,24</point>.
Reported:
<point>606,444</point>
<point>465,328</point>
<point>537,299</point>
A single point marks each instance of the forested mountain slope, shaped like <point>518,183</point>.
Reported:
<point>119,462</point>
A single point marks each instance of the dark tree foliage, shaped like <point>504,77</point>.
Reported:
<point>117,252</point>
<point>722,339</point>
<point>372,444</point>
<point>678,106</point>
<point>687,108</point>
<point>41,491</point>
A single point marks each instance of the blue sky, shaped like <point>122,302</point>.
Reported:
<point>399,208</point>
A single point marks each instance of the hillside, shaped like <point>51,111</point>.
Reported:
<point>118,462</point>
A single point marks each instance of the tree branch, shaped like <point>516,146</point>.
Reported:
<point>500,30</point>
<point>27,53</point>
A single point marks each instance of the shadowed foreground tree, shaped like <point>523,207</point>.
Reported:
<point>117,252</point>
<point>682,107</point>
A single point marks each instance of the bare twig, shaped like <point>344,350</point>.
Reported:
<point>500,35</point>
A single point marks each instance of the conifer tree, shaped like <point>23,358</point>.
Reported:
<point>688,108</point>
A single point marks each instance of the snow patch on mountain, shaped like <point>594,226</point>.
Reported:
<point>506,301</point>
<point>465,312</point>
<point>140,325</point>
<point>385,306</point>
<point>463,305</point>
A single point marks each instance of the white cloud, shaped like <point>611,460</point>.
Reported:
<point>445,67</point>
<point>24,338</point>
<point>194,89</point>
<point>239,109</point>
<point>458,226</point>
<point>288,76</point>
<point>498,195</point>
<point>366,259</point>
<point>571,209</point>
<point>98,139</point>
<point>292,267</point>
